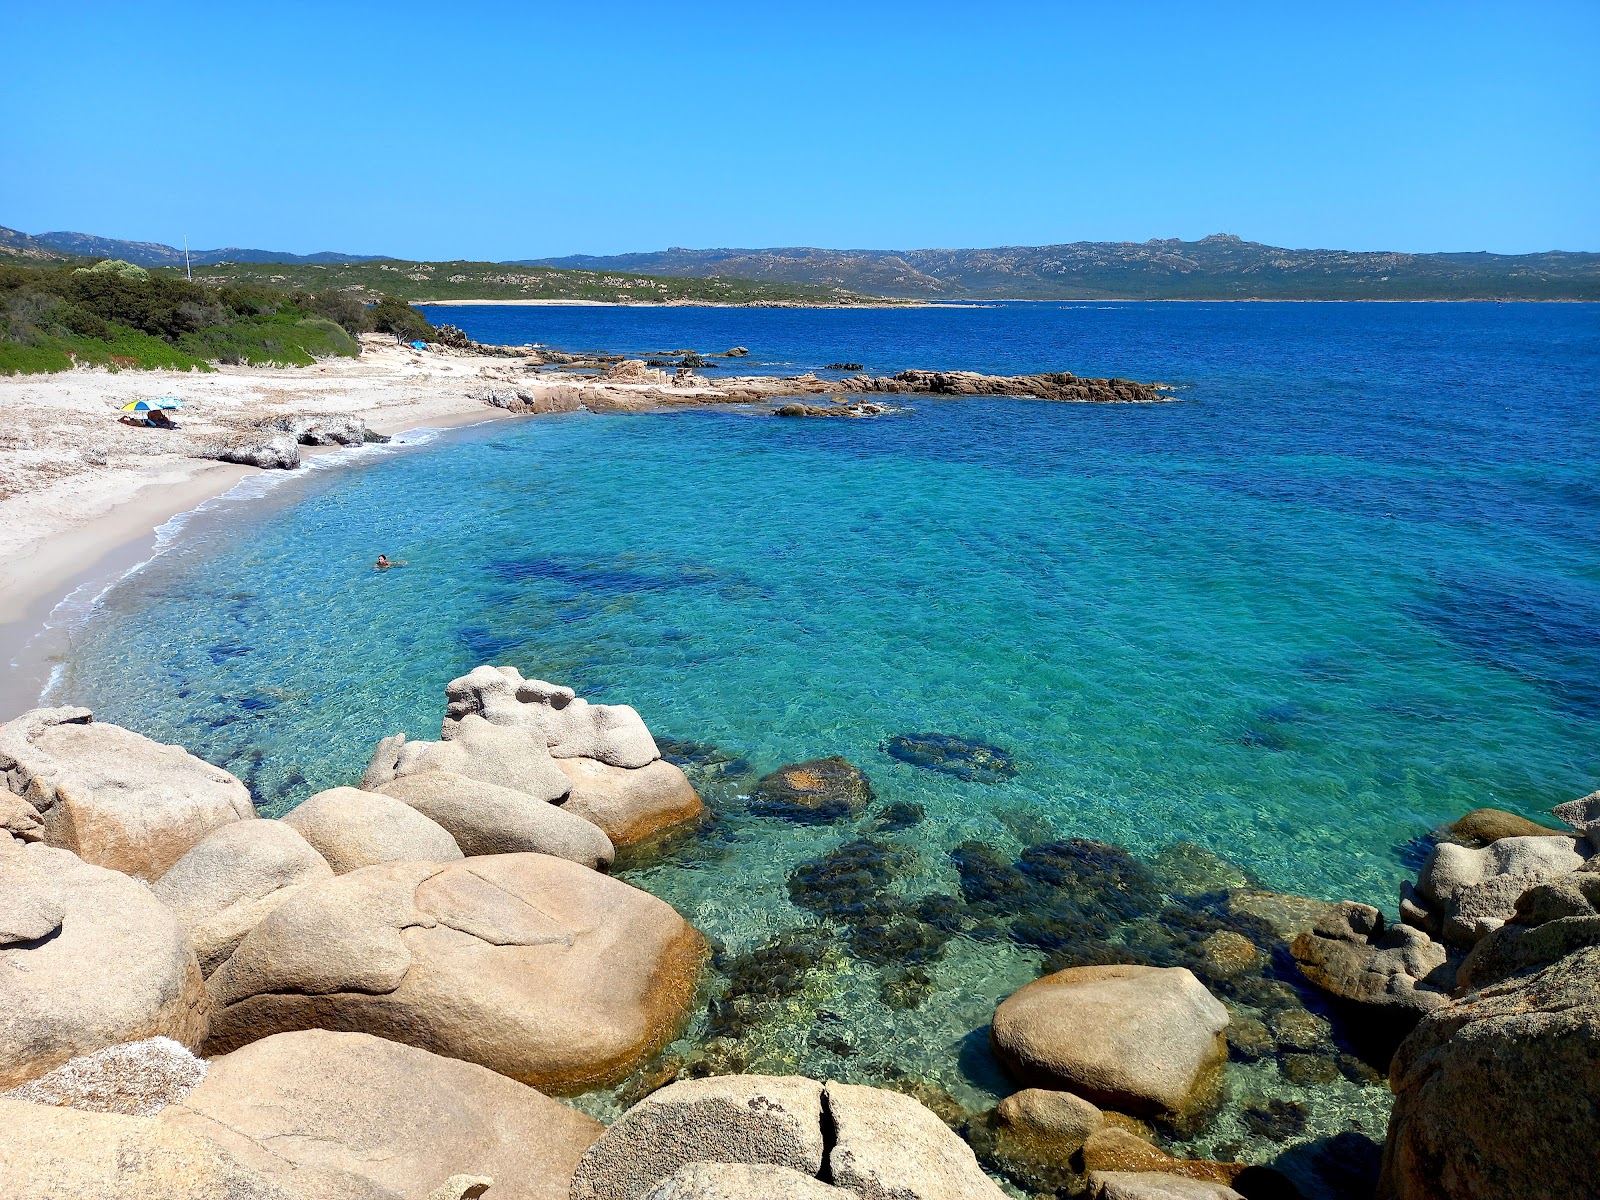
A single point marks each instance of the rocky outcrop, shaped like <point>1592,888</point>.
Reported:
<point>388,1114</point>
<point>1395,972</point>
<point>1462,894</point>
<point>232,878</point>
<point>530,965</point>
<point>1551,921</point>
<point>1145,1040</point>
<point>1056,385</point>
<point>63,1154</point>
<point>352,829</point>
<point>90,959</point>
<point>486,819</point>
<point>1583,814</point>
<point>312,430</point>
<point>631,804</point>
<point>267,450</point>
<point>869,1143</point>
<point>752,1119</point>
<point>1495,1093</point>
<point>136,1079</point>
<point>855,410</point>
<point>114,798</point>
<point>571,726</point>
<point>823,789</point>
<point>503,756</point>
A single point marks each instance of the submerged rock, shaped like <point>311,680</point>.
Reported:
<point>530,965</point>
<point>823,789</point>
<point>965,758</point>
<point>114,798</point>
<point>89,959</point>
<point>385,1114</point>
<point>1144,1040</point>
<point>232,878</point>
<point>1056,385</point>
<point>1482,826</point>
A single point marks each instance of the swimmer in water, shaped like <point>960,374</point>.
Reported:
<point>385,562</point>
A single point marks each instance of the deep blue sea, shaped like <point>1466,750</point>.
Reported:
<point>1347,588</point>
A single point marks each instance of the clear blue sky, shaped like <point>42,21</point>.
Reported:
<point>477,130</point>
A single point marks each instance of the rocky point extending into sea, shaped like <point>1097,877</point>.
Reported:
<point>381,994</point>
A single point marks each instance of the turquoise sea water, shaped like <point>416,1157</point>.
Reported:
<point>1345,590</point>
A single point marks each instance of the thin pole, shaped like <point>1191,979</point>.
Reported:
<point>187,272</point>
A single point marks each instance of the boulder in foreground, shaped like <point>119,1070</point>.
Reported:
<point>113,797</point>
<point>487,819</point>
<point>90,959</point>
<point>352,829</point>
<point>1145,1040</point>
<point>1495,1094</point>
<point>530,965</point>
<point>398,1117</point>
<point>742,1181</point>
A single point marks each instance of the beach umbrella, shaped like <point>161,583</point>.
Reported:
<point>151,405</point>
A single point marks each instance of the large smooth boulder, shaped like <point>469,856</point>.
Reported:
<point>1145,1040</point>
<point>1484,825</point>
<point>90,959</point>
<point>232,878</point>
<point>742,1181</point>
<point>352,829</point>
<point>533,966</point>
<point>1395,972</point>
<point>570,726</point>
<point>113,797</point>
<point>753,1119</point>
<point>887,1146</point>
<point>631,804</point>
<point>486,819</point>
<point>1495,1094</point>
<point>136,1079</point>
<point>1145,1185</point>
<point>402,1118</point>
<point>50,1153</point>
<point>1467,892</point>
<point>505,757</point>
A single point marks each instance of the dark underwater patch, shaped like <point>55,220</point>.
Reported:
<point>965,758</point>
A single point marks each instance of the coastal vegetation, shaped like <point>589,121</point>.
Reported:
<point>116,314</point>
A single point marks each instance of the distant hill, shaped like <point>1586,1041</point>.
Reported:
<point>1219,267</point>
<point>154,254</point>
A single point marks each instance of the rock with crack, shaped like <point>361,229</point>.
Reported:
<point>89,959</point>
<point>493,754</point>
<point>351,829</point>
<point>64,1154</point>
<point>753,1119</point>
<point>530,965</point>
<point>484,818</point>
<point>742,1181</point>
<point>136,1079</point>
<point>400,1118</point>
<point>571,726</point>
<point>870,1143</point>
<point>1551,921</point>
<point>1145,1040</point>
<point>631,804</point>
<point>1395,973</point>
<point>232,878</point>
<point>114,798</point>
<point>1462,894</point>
<point>1495,1093</point>
<point>887,1146</point>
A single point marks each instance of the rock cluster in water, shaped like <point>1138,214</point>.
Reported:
<point>387,982</point>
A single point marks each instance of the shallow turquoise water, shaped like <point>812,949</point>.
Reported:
<point>1344,591</point>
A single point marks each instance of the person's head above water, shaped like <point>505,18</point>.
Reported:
<point>383,561</point>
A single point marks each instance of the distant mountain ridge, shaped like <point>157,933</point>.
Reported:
<point>1219,267</point>
<point>154,254</point>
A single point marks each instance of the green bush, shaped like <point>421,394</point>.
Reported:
<point>399,318</point>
